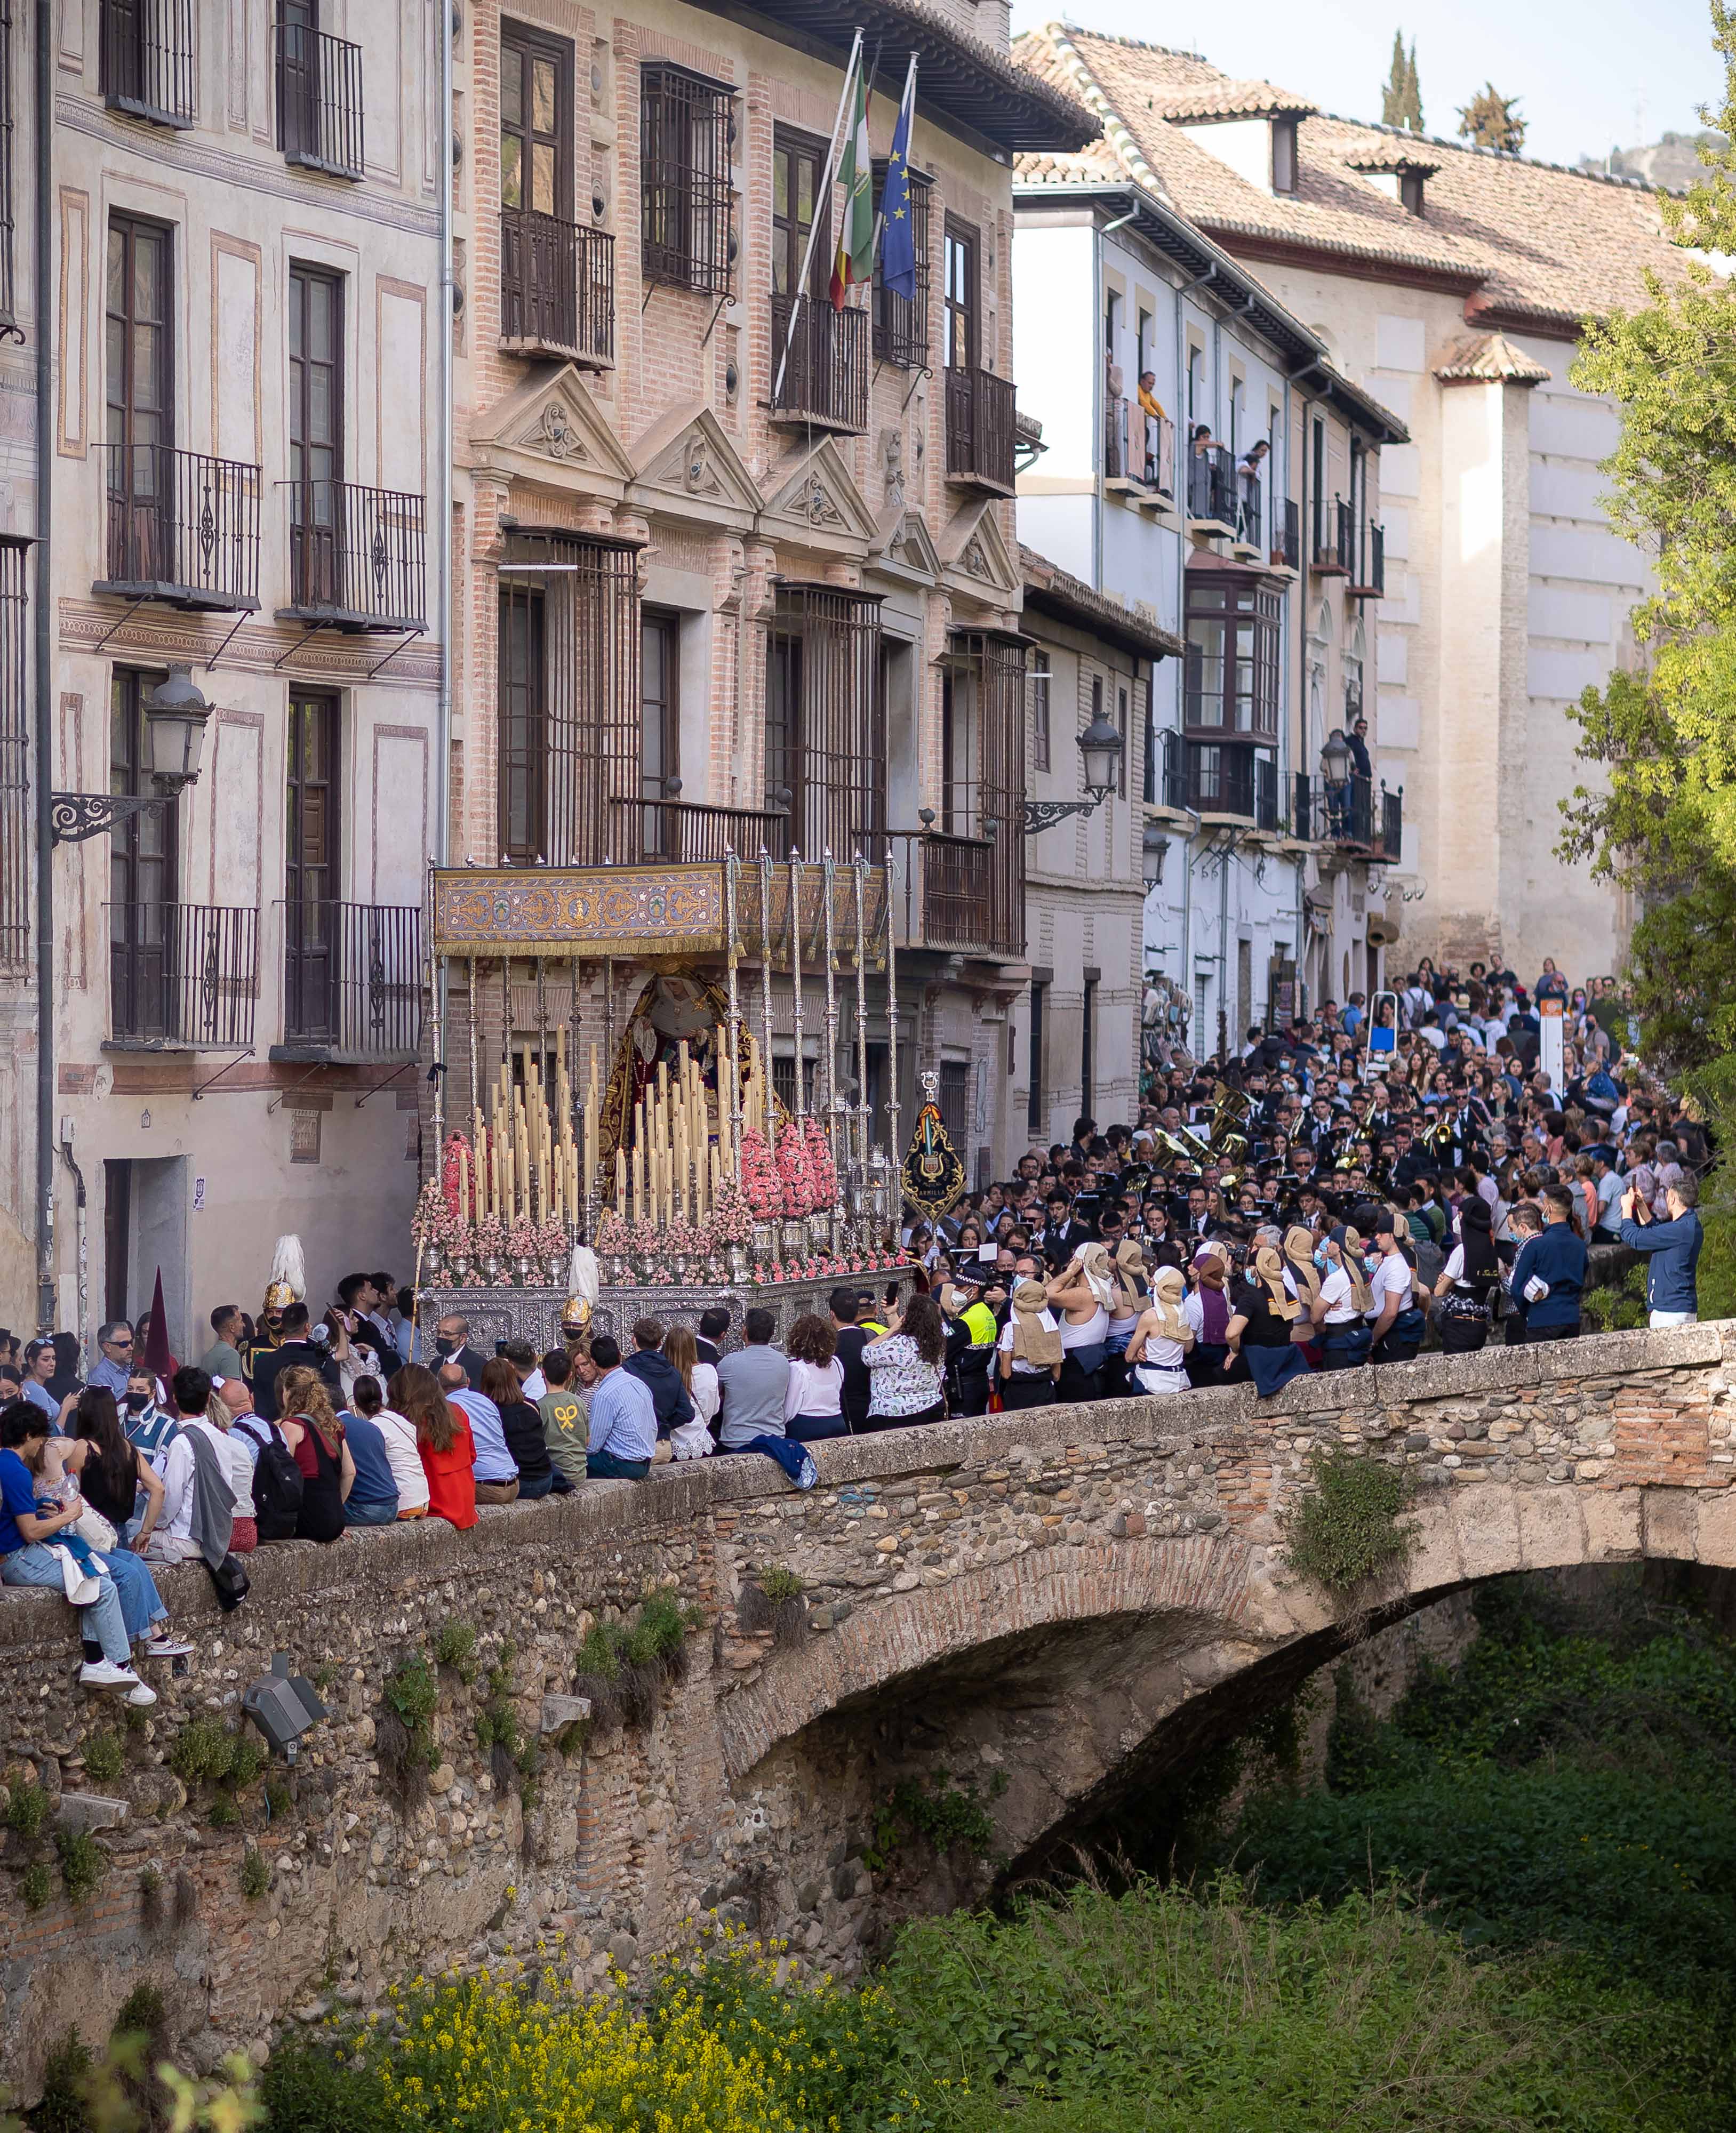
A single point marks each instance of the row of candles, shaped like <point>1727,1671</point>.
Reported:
<point>528,1163</point>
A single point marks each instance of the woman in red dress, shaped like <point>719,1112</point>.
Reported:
<point>443,1438</point>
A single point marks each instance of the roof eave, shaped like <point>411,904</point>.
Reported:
<point>963,85</point>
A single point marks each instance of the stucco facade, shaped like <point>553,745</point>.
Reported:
<point>245,430</point>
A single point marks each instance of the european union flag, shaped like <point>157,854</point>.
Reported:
<point>898,239</point>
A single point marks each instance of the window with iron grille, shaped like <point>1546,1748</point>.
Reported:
<point>955,1103</point>
<point>825,721</point>
<point>15,849</point>
<point>901,323</point>
<point>1039,675</point>
<point>686,129</point>
<point>569,730</point>
<point>982,696</point>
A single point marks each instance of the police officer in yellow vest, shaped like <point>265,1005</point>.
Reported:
<point>972,1332</point>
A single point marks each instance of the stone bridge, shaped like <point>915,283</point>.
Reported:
<point>1058,1607</point>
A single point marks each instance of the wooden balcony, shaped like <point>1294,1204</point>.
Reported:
<point>556,289</point>
<point>825,374</point>
<point>980,430</point>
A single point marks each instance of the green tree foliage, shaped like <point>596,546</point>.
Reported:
<point>1492,121</point>
<point>1661,821</point>
<point>1402,102</point>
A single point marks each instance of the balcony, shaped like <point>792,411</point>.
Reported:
<point>556,289</point>
<point>147,60</point>
<point>1211,498</point>
<point>691,834</point>
<point>1139,450</point>
<point>318,101</point>
<point>1368,580</point>
<point>825,381</point>
<point>1213,778</point>
<point>1335,541</point>
<point>183,976</point>
<point>1350,814</point>
<point>961,895</point>
<point>356,558</point>
<point>1248,511</point>
<point>980,430</point>
<point>183,528</point>
<point>1286,548</point>
<point>352,982</point>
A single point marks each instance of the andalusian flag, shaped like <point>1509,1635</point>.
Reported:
<point>855,260</point>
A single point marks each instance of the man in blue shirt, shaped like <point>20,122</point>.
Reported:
<point>27,1559</point>
<point>115,1340</point>
<point>1553,1265</point>
<point>1671,1249</point>
<point>622,1439</point>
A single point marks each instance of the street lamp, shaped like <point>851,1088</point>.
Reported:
<point>1100,745</point>
<point>176,715</point>
<point>1336,759</point>
<point>1154,850</point>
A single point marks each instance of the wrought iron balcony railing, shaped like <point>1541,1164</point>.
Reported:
<point>183,975</point>
<point>965,895</point>
<point>183,527</point>
<point>356,557</point>
<point>1369,580</point>
<point>147,58</point>
<point>320,101</point>
<point>1212,496</point>
<point>1287,535</point>
<point>693,834</point>
<point>352,979</point>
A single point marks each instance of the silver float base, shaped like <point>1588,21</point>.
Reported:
<point>535,1314</point>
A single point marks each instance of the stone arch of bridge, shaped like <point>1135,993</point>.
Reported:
<point>1081,1673</point>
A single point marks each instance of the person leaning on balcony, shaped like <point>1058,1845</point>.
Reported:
<point>1148,398</point>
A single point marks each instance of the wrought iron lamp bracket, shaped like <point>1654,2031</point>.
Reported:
<point>1044,814</point>
<point>74,817</point>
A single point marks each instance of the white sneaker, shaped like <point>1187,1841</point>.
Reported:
<point>105,1673</point>
<point>166,1647</point>
<point>141,1695</point>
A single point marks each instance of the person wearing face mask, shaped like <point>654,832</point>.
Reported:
<point>150,1431</point>
<point>452,1344</point>
<point>1262,1330</point>
<point>1345,1300</point>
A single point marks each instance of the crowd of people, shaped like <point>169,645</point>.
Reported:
<point>1340,1192</point>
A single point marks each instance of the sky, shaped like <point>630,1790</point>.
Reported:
<point>1590,75</point>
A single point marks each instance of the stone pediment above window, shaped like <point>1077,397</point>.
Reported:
<point>554,427</point>
<point>978,563</point>
<point>817,503</point>
<point>907,546</point>
<point>689,468</point>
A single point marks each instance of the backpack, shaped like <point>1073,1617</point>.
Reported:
<point>276,1480</point>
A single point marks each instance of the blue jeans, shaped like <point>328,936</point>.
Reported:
<point>382,1511</point>
<point>141,1602</point>
<point>531,1486</point>
<point>606,1466</point>
<point>35,1565</point>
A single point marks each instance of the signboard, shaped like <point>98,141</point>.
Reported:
<point>1549,1042</point>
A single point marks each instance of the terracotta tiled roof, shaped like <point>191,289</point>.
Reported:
<point>1532,243</point>
<point>1231,99</point>
<point>1391,155</point>
<point>1047,587</point>
<point>1478,358</point>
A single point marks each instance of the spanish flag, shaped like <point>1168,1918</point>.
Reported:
<point>855,258</point>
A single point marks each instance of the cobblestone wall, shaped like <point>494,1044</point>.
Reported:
<point>1039,1606</point>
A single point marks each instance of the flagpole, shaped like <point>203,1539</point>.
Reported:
<point>880,219</point>
<point>823,193</point>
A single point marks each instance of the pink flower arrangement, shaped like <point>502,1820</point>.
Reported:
<point>732,1219</point>
<point>759,1185</point>
<point>822,1174</point>
<point>614,1234</point>
<point>797,1193</point>
<point>551,1238</point>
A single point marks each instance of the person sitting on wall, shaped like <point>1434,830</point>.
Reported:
<point>623,1441</point>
